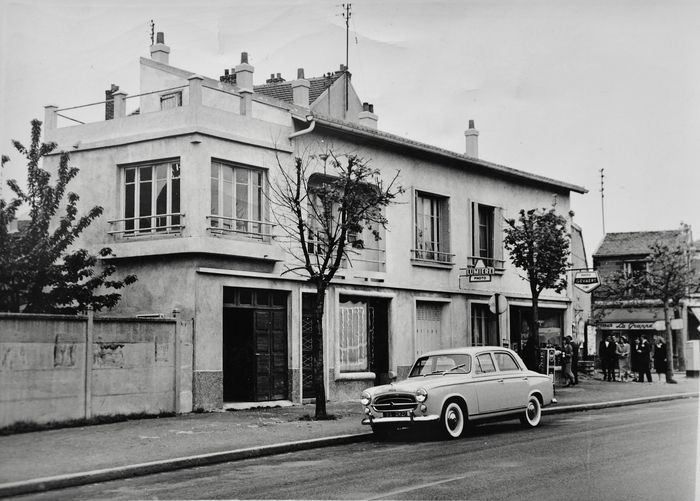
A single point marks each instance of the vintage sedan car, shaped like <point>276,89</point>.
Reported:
<point>454,387</point>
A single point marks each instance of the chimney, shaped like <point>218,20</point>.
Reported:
<point>159,51</point>
<point>366,117</point>
<point>472,139</point>
<point>244,73</point>
<point>300,89</point>
<point>109,102</point>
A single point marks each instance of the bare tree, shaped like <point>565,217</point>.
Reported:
<point>322,203</point>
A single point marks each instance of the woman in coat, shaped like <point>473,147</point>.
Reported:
<point>660,361</point>
<point>623,355</point>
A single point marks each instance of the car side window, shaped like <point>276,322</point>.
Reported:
<point>506,362</point>
<point>484,364</point>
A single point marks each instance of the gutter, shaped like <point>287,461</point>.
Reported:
<point>309,119</point>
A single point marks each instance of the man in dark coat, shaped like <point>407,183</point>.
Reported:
<point>607,350</point>
<point>643,360</point>
<point>574,359</point>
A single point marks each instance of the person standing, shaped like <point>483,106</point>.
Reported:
<point>574,359</point>
<point>634,357</point>
<point>606,352</point>
<point>568,356</point>
<point>660,360</point>
<point>623,353</point>
<point>643,352</point>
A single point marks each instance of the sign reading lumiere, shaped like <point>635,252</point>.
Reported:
<point>478,273</point>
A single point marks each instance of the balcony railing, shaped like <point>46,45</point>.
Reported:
<point>157,224</point>
<point>492,262</point>
<point>431,256</point>
<point>249,228</point>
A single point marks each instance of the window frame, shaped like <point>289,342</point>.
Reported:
<point>166,222</point>
<point>494,231</point>
<point>171,96</point>
<point>439,229</point>
<point>249,226</point>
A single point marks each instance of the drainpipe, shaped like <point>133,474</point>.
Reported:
<point>309,118</point>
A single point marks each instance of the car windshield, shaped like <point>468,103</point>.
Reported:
<point>456,363</point>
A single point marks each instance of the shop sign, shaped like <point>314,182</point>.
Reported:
<point>479,272</point>
<point>626,326</point>
<point>587,281</point>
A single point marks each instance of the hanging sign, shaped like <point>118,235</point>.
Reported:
<point>587,281</point>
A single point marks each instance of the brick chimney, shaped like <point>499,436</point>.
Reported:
<point>366,117</point>
<point>109,101</point>
<point>472,140</point>
<point>300,89</point>
<point>159,51</point>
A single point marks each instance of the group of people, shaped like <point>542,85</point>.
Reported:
<point>617,355</point>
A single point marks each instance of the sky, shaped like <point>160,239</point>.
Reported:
<point>558,88</point>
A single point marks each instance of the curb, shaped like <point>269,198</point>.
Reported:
<point>165,465</point>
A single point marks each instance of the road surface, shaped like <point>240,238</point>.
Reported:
<point>638,452</point>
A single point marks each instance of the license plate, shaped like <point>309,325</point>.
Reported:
<point>397,414</point>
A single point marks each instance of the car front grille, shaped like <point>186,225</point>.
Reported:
<point>395,402</point>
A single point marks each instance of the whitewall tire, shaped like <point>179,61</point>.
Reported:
<point>453,420</point>
<point>533,412</point>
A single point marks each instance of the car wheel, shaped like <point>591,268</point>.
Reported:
<point>533,412</point>
<point>453,420</point>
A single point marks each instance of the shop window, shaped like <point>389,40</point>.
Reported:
<point>483,325</point>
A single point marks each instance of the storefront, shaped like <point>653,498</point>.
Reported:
<point>551,327</point>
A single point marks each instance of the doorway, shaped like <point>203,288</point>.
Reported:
<point>254,348</point>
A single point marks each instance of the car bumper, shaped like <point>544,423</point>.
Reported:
<point>404,421</point>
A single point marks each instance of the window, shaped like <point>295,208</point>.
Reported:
<point>172,100</point>
<point>432,228</point>
<point>487,234</point>
<point>635,268</point>
<point>352,334</point>
<point>237,201</point>
<point>484,364</point>
<point>506,362</point>
<point>483,325</point>
<point>152,198</point>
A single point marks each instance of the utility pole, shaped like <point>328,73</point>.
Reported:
<point>602,198</point>
<point>346,15</point>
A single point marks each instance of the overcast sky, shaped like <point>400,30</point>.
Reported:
<point>557,88</point>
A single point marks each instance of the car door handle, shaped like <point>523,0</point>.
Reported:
<point>500,380</point>
<point>524,378</point>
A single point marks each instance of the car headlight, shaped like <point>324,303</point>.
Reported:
<point>365,398</point>
<point>421,395</point>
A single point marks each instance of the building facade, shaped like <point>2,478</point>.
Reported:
<point>628,253</point>
<point>184,170</point>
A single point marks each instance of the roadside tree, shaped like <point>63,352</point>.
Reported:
<point>538,244</point>
<point>39,273</point>
<point>323,203</point>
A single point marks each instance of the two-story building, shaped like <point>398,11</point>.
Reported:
<point>628,253</point>
<point>184,169</point>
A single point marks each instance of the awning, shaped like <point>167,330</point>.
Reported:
<point>634,315</point>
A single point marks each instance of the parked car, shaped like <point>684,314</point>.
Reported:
<point>454,387</point>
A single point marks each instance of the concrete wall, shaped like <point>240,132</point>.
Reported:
<point>46,374</point>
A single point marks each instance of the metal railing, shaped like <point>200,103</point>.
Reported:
<point>432,256</point>
<point>156,224</point>
<point>498,264</point>
<point>250,228</point>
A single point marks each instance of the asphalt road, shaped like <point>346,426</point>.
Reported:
<point>638,452</point>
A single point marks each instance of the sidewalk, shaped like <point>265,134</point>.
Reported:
<point>201,438</point>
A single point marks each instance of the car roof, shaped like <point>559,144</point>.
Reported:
<point>465,350</point>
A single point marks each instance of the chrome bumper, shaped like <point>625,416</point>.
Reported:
<point>400,420</point>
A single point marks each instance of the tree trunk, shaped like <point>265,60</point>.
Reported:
<point>317,353</point>
<point>532,352</point>
<point>681,348</point>
<point>669,347</point>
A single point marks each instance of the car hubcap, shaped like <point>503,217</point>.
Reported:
<point>452,420</point>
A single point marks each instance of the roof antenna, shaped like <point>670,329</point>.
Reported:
<point>602,198</point>
<point>153,29</point>
<point>346,15</point>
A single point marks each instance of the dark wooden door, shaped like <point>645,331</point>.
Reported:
<point>270,355</point>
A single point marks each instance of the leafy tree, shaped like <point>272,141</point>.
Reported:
<point>539,245</point>
<point>669,277</point>
<point>38,273</point>
<point>321,214</point>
